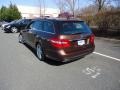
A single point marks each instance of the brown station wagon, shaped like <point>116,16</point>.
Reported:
<point>58,39</point>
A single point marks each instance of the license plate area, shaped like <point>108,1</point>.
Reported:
<point>81,42</point>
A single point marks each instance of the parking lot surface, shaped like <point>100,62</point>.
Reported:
<point>21,70</point>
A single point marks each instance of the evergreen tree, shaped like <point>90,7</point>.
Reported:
<point>13,12</point>
<point>3,13</point>
<point>10,13</point>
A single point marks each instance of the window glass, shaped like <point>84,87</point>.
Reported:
<point>37,25</point>
<point>30,26</point>
<point>25,21</point>
<point>48,27</point>
<point>74,28</point>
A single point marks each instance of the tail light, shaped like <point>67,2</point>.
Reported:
<point>91,41</point>
<point>60,43</point>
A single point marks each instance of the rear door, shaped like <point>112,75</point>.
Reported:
<point>48,33</point>
<point>35,32</point>
<point>27,31</point>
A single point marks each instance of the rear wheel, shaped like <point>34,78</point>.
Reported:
<point>14,30</point>
<point>39,52</point>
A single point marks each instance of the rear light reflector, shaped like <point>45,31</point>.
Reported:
<point>60,43</point>
<point>91,41</point>
<point>62,52</point>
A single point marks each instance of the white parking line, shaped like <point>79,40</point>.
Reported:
<point>106,56</point>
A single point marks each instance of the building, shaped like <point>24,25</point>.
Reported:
<point>35,12</point>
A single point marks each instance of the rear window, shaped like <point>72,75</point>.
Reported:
<point>70,27</point>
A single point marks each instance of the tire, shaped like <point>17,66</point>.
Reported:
<point>14,30</point>
<point>20,38</point>
<point>39,52</point>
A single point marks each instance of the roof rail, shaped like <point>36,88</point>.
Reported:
<point>60,18</point>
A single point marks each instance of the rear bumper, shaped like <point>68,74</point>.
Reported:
<point>77,55</point>
<point>71,56</point>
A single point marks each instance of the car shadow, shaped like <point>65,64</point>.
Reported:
<point>8,33</point>
<point>50,61</point>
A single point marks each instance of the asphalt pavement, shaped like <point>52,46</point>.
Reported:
<point>21,70</point>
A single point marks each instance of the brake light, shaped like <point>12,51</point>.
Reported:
<point>60,43</point>
<point>91,41</point>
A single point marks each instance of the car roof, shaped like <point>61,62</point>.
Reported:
<point>59,19</point>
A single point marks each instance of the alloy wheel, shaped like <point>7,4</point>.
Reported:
<point>14,30</point>
<point>39,52</point>
<point>20,38</point>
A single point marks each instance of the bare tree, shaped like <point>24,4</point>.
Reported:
<point>117,3</point>
<point>40,6</point>
<point>89,10</point>
<point>71,4</point>
<point>101,3</point>
<point>68,5</point>
<point>61,5</point>
<point>44,5</point>
<point>78,2</point>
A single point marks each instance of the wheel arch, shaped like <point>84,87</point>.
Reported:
<point>38,42</point>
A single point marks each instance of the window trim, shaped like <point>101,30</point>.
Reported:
<point>42,27</point>
<point>29,25</point>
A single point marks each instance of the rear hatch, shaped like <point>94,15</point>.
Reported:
<point>78,36</point>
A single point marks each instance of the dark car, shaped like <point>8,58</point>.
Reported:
<point>2,22</point>
<point>16,25</point>
<point>61,40</point>
<point>6,24</point>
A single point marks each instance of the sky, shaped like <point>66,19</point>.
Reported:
<point>49,3</point>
